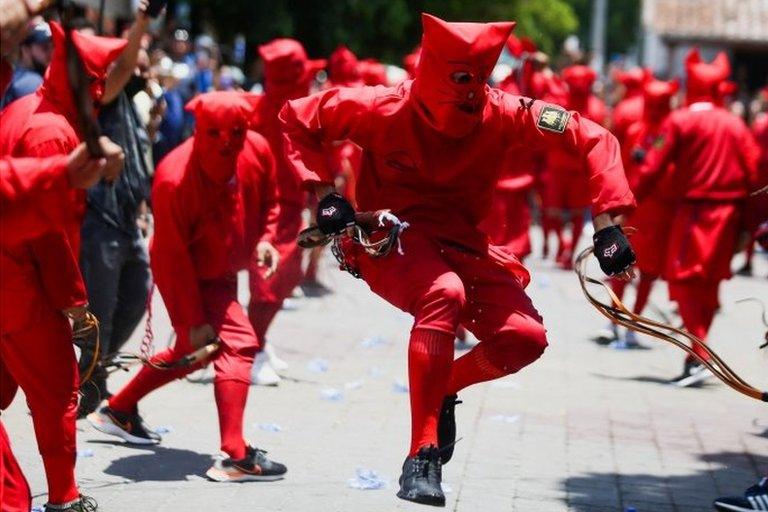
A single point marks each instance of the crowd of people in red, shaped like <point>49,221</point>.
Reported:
<point>464,166</point>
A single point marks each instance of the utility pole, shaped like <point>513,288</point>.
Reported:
<point>599,17</point>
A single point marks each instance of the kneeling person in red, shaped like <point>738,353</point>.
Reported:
<point>433,151</point>
<point>214,206</point>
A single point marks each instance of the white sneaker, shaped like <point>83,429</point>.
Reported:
<point>277,363</point>
<point>697,373</point>
<point>607,334</point>
<point>262,373</point>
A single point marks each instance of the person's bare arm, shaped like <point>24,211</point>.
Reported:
<point>120,74</point>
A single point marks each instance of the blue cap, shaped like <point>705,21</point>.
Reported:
<point>39,34</point>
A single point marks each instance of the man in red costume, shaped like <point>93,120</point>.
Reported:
<point>27,187</point>
<point>288,74</point>
<point>715,167</point>
<point>433,151</point>
<point>566,191</point>
<point>343,68</point>
<point>757,206</point>
<point>214,204</point>
<point>42,285</point>
<point>629,110</point>
<point>651,218</point>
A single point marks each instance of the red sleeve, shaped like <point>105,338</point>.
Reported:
<point>318,120</point>
<point>540,124</point>
<point>24,201</point>
<point>750,156</point>
<point>657,160</point>
<point>172,266</point>
<point>270,207</point>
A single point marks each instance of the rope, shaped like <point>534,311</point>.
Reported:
<point>619,314</point>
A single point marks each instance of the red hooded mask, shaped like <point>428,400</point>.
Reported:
<point>221,124</point>
<point>579,79</point>
<point>704,79</point>
<point>657,98</point>
<point>634,80</point>
<point>288,72</point>
<point>450,87</point>
<point>343,68</point>
<point>96,53</point>
<point>372,72</point>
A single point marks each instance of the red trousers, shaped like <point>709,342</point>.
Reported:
<point>232,363</point>
<point>14,489</point>
<point>443,286</point>
<point>40,358</point>
<point>509,222</point>
<point>697,302</point>
<point>267,294</point>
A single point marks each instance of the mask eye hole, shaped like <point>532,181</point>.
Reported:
<point>213,132</point>
<point>462,78</point>
<point>238,132</point>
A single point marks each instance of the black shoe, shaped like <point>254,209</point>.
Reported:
<point>82,504</point>
<point>255,466</point>
<point>129,427</point>
<point>315,289</point>
<point>421,478</point>
<point>446,428</point>
<point>92,393</point>
<point>756,498</point>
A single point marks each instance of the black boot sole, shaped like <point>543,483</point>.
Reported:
<point>434,501</point>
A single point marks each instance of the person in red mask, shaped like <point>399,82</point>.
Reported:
<point>715,167</point>
<point>344,68</point>
<point>566,191</point>
<point>42,285</point>
<point>215,206</point>
<point>629,110</point>
<point>26,189</point>
<point>757,206</point>
<point>434,150</point>
<point>288,74</point>
<point>650,219</point>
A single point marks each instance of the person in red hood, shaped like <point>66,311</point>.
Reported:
<point>566,191</point>
<point>26,189</point>
<point>757,206</point>
<point>629,109</point>
<point>715,161</point>
<point>343,68</point>
<point>650,219</point>
<point>288,74</point>
<point>434,150</point>
<point>373,72</point>
<point>215,206</point>
<point>42,285</point>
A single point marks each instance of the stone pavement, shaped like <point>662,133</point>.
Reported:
<point>585,429</point>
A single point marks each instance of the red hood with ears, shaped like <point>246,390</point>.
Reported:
<point>221,123</point>
<point>450,90</point>
<point>704,78</point>
<point>411,61</point>
<point>343,68</point>
<point>633,80</point>
<point>657,99</point>
<point>372,72</point>
<point>96,53</point>
<point>288,72</point>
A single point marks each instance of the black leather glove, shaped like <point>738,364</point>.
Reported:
<point>613,251</point>
<point>334,214</point>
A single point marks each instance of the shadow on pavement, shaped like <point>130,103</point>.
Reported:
<point>733,472</point>
<point>160,464</point>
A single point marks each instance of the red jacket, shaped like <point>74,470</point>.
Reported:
<point>714,153</point>
<point>206,231</point>
<point>436,182</point>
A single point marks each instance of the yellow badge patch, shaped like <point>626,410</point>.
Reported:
<point>554,119</point>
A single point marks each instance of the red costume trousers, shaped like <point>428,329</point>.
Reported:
<point>232,363</point>
<point>41,360</point>
<point>444,286</point>
<point>14,489</point>
<point>267,294</point>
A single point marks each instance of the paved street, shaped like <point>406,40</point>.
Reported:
<point>585,429</point>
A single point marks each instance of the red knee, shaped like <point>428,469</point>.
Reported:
<point>439,308</point>
<point>512,350</point>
